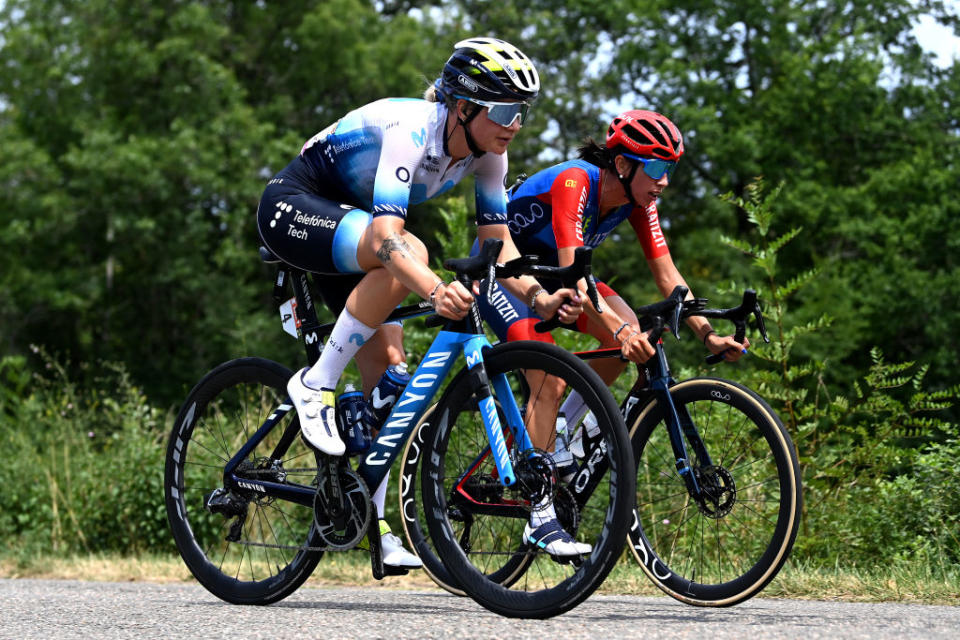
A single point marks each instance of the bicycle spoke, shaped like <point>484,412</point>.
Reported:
<point>228,406</point>
<point>727,534</point>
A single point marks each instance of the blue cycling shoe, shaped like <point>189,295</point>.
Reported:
<point>553,539</point>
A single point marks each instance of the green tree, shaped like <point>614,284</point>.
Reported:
<point>137,139</point>
<point>836,99</point>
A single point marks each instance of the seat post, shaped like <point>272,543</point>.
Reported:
<point>307,313</point>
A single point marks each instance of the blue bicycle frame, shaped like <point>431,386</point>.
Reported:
<point>421,389</point>
<point>456,338</point>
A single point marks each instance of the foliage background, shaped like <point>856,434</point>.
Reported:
<point>136,138</point>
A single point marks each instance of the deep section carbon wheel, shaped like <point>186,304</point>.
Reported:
<point>477,524</point>
<point>245,547</point>
<point>414,520</point>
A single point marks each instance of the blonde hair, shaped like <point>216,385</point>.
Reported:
<point>430,95</point>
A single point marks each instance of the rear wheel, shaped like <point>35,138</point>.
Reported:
<point>477,524</point>
<point>243,546</point>
<point>728,546</point>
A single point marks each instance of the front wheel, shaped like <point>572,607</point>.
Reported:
<point>477,523</point>
<point>415,521</point>
<point>243,546</point>
<point>727,546</point>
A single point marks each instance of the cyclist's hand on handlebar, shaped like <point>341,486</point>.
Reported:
<point>727,346</point>
<point>564,303</point>
<point>452,301</point>
<point>635,346</point>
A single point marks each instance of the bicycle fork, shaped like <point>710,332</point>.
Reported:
<point>680,427</point>
<point>488,409</point>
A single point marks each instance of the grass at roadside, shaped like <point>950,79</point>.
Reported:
<point>902,583</point>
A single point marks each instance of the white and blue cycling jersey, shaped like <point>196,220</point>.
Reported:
<point>389,155</point>
<point>378,160</point>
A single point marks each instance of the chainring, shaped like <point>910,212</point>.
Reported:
<point>348,530</point>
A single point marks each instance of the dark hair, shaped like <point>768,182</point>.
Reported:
<point>596,154</point>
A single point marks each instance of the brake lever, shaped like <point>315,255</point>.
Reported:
<point>758,314</point>
<point>739,318</point>
<point>491,279</point>
<point>592,292</point>
<point>584,258</point>
<point>675,321</point>
<point>582,266</point>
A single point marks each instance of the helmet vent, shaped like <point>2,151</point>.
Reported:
<point>654,132</point>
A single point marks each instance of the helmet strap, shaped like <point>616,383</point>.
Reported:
<point>474,149</point>
<point>471,143</point>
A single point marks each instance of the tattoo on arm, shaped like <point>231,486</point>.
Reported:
<point>394,243</point>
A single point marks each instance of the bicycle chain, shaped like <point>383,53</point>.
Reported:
<point>266,545</point>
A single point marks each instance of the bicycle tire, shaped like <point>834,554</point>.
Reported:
<point>452,445</point>
<point>219,416</point>
<point>728,549</point>
<point>414,520</point>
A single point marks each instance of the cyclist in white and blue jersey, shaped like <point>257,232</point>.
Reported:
<point>340,207</point>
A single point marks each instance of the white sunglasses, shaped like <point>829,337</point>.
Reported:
<point>503,113</point>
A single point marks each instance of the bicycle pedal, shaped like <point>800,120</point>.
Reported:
<point>576,561</point>
<point>394,571</point>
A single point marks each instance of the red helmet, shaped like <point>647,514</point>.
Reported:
<point>645,133</point>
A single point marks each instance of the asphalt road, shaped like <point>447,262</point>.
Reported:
<point>55,609</point>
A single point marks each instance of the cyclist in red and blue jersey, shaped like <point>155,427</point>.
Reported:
<point>340,208</point>
<point>579,203</point>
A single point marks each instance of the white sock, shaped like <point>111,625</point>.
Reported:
<point>573,408</point>
<point>541,513</point>
<point>349,334</point>
<point>380,495</point>
<point>561,454</point>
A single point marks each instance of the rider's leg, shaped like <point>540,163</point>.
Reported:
<point>394,554</point>
<point>608,368</point>
<point>511,319</point>
<point>385,348</point>
<point>368,305</point>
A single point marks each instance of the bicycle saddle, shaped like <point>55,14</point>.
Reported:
<point>269,256</point>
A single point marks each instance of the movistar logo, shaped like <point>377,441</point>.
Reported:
<point>378,402</point>
<point>357,339</point>
<point>420,138</point>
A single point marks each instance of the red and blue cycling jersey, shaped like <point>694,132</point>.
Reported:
<point>559,207</point>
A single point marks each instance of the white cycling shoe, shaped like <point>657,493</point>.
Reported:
<point>318,421</point>
<point>553,539</point>
<point>394,554</point>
